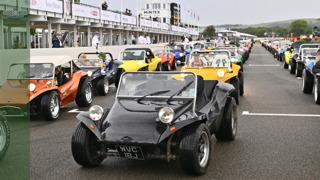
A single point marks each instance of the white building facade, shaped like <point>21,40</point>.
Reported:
<point>157,10</point>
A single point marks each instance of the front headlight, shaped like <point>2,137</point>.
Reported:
<point>166,115</point>
<point>89,73</point>
<point>32,87</point>
<point>95,113</point>
<point>221,73</point>
<point>181,54</point>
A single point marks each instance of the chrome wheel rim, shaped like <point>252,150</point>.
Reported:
<point>3,135</point>
<point>303,76</point>
<point>203,149</point>
<point>54,106</point>
<point>88,92</point>
<point>316,91</point>
<point>234,120</point>
<point>106,86</point>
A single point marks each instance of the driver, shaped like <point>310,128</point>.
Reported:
<point>197,62</point>
<point>58,76</point>
<point>307,53</point>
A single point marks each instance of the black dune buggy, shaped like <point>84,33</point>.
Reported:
<point>101,73</point>
<point>168,116</point>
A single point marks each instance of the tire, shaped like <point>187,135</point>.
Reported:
<point>241,83</point>
<point>299,69</point>
<point>168,67</point>
<point>4,137</point>
<point>317,91</point>
<point>292,68</point>
<point>307,82</point>
<point>174,64</point>
<point>50,106</point>
<point>159,67</point>
<point>236,93</point>
<point>285,65</point>
<point>195,142</point>
<point>85,93</point>
<point>103,86</point>
<point>229,124</point>
<point>119,73</point>
<point>84,147</point>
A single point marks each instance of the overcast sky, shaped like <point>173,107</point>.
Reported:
<point>218,12</point>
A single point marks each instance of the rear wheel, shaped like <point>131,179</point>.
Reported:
<point>103,86</point>
<point>292,67</point>
<point>167,65</point>
<point>195,149</point>
<point>85,147</point>
<point>50,106</point>
<point>285,65</point>
<point>85,93</point>
<point>229,124</point>
<point>317,91</point>
<point>4,136</point>
<point>307,82</point>
<point>236,93</point>
<point>241,83</point>
<point>299,69</point>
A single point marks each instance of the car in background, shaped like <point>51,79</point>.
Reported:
<point>4,134</point>
<point>45,84</point>
<point>216,65</point>
<point>305,55</point>
<point>168,60</point>
<point>236,58</point>
<point>180,51</point>
<point>168,116</point>
<point>311,81</point>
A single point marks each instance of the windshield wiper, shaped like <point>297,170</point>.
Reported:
<point>152,94</point>
<point>180,91</point>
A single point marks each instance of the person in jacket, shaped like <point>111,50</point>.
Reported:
<point>316,67</point>
<point>56,41</point>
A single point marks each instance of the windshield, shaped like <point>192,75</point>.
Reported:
<point>208,45</point>
<point>174,48</point>
<point>30,71</point>
<point>132,55</point>
<point>309,52</point>
<point>198,46</point>
<point>232,50</point>
<point>212,60</point>
<point>159,86</point>
<point>88,62</point>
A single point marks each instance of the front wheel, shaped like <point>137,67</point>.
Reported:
<point>4,136</point>
<point>167,65</point>
<point>229,124</point>
<point>299,69</point>
<point>159,67</point>
<point>85,93</point>
<point>85,147</point>
<point>285,65</point>
<point>103,86</point>
<point>50,106</point>
<point>119,73</point>
<point>292,67</point>
<point>195,149</point>
<point>241,83</point>
<point>174,64</point>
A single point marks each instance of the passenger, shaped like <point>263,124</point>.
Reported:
<point>58,76</point>
<point>197,62</point>
<point>307,53</point>
<point>316,67</point>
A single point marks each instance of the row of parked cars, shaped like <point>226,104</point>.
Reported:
<point>157,114</point>
<point>299,58</point>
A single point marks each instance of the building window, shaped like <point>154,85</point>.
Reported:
<point>164,6</point>
<point>147,6</point>
<point>159,6</point>
<point>164,20</point>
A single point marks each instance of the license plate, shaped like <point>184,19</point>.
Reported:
<point>130,152</point>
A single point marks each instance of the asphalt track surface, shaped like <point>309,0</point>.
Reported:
<point>267,146</point>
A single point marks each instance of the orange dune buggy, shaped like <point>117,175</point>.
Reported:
<point>167,58</point>
<point>44,85</point>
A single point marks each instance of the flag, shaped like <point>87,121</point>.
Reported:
<point>265,33</point>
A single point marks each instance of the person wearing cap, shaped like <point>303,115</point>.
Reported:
<point>95,40</point>
<point>316,67</point>
<point>56,41</point>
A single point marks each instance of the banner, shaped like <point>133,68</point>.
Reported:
<point>175,28</point>
<point>110,16</point>
<point>129,19</point>
<point>47,5</point>
<point>164,26</point>
<point>84,11</point>
<point>145,23</point>
<point>156,25</point>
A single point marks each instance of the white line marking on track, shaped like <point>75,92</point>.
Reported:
<point>75,111</point>
<point>247,113</point>
<point>264,65</point>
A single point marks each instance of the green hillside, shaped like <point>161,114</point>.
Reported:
<point>285,24</point>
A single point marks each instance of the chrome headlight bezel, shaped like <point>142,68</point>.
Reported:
<point>181,54</point>
<point>166,115</point>
<point>221,73</point>
<point>90,73</point>
<point>95,113</point>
